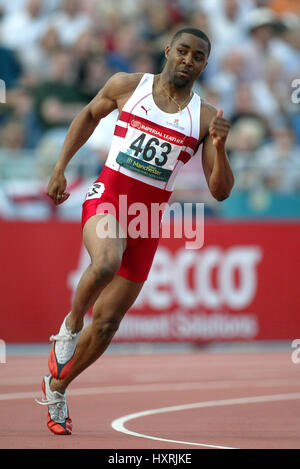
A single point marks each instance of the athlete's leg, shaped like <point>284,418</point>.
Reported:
<point>109,309</point>
<point>106,255</point>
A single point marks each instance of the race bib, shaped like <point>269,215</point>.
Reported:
<point>95,191</point>
<point>149,155</point>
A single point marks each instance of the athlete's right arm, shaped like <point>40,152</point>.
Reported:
<point>82,128</point>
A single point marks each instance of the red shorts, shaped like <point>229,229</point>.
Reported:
<point>105,195</point>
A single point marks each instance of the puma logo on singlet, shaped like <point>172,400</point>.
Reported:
<point>146,110</point>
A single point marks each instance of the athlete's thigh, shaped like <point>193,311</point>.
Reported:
<point>116,298</point>
<point>98,244</point>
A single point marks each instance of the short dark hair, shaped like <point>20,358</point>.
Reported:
<point>194,32</point>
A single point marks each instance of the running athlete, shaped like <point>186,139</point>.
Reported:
<point>160,126</point>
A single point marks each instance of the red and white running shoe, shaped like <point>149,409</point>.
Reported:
<point>58,419</point>
<point>61,356</point>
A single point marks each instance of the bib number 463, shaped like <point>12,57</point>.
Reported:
<point>149,150</point>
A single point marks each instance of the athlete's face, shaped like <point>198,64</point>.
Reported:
<point>186,59</point>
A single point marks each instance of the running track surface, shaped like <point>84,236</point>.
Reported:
<point>200,400</point>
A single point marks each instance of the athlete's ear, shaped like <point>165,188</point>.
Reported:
<point>167,51</point>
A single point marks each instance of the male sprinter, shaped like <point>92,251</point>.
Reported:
<point>160,126</point>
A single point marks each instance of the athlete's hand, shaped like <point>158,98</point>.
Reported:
<point>57,187</point>
<point>219,129</point>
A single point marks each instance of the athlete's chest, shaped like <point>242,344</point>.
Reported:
<point>148,112</point>
<point>153,141</point>
<point>150,143</point>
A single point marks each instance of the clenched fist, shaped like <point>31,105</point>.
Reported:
<point>57,187</point>
<point>219,129</point>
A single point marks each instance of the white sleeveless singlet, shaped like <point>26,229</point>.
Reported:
<point>150,145</point>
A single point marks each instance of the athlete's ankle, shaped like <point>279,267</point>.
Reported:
<point>57,385</point>
<point>74,325</point>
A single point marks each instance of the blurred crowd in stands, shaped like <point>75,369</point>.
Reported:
<point>55,55</point>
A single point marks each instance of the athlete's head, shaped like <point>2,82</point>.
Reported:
<point>187,55</point>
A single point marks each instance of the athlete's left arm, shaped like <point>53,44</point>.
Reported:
<point>216,166</point>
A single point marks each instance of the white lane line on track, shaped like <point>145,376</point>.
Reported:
<point>140,380</point>
<point>119,424</point>
<point>156,387</point>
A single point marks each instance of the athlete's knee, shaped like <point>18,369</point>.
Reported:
<point>103,271</point>
<point>105,329</point>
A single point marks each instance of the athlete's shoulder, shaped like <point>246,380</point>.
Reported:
<point>207,113</point>
<point>114,94</point>
<point>122,83</point>
<point>207,110</point>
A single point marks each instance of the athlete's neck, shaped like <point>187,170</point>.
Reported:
<point>163,84</point>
